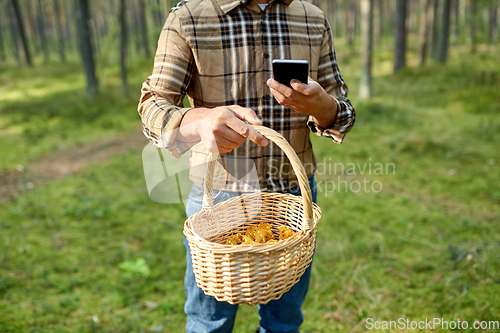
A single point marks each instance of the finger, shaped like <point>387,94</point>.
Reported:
<point>279,97</point>
<point>246,114</point>
<point>216,143</point>
<point>247,131</point>
<point>281,88</point>
<point>258,138</point>
<point>223,142</point>
<point>304,89</point>
<point>229,134</point>
<point>223,150</point>
<point>219,138</point>
<point>226,136</point>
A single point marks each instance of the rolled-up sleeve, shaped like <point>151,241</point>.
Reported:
<point>161,104</point>
<point>330,79</point>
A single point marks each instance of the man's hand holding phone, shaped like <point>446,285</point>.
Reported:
<point>306,98</point>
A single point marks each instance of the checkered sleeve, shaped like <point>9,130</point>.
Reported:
<point>161,104</point>
<point>330,79</point>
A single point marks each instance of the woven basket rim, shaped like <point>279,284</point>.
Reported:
<point>298,237</point>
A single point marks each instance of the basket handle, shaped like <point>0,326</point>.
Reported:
<point>298,168</point>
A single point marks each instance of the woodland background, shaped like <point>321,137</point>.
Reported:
<point>84,249</point>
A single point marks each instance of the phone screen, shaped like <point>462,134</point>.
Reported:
<point>285,70</point>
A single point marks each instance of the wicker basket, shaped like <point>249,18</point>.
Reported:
<point>252,274</point>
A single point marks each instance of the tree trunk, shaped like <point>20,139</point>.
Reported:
<point>365,88</point>
<point>356,19</point>
<point>59,27</point>
<point>123,43</point>
<point>411,16</point>
<point>86,46</point>
<point>400,36</point>
<point>21,34</point>
<point>31,29</point>
<point>381,22</point>
<point>143,29</point>
<point>445,32</point>
<point>352,24</point>
<point>14,34</point>
<point>473,14</point>
<point>50,25</point>
<point>2,45</point>
<point>41,30</point>
<point>493,23</point>
<point>94,32</point>
<point>376,23</point>
<point>389,16</point>
<point>102,23</point>
<point>456,13</point>
<point>435,29</point>
<point>425,22</point>
<point>68,15</point>
<point>332,9</point>
<point>156,12</point>
<point>338,19</point>
<point>379,28</point>
<point>346,18</point>
<point>135,29</point>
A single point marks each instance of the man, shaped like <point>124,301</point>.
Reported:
<point>219,53</point>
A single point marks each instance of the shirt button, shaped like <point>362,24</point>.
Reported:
<point>267,97</point>
<point>266,55</point>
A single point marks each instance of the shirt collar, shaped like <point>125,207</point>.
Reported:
<point>228,5</point>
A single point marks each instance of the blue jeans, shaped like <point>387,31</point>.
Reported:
<point>206,314</point>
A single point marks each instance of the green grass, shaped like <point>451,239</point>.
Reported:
<point>426,246</point>
<point>44,110</point>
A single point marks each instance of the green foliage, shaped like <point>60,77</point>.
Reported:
<point>133,268</point>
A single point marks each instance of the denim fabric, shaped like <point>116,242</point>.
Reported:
<point>206,314</point>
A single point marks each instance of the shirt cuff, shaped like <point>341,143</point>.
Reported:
<point>343,123</point>
<point>168,136</point>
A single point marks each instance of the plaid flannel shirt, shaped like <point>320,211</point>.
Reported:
<point>220,52</point>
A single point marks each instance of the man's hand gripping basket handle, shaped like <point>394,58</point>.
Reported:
<point>297,166</point>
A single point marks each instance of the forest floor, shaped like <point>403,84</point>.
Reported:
<point>66,163</point>
<point>84,249</point>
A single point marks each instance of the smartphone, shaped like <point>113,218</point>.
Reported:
<point>285,70</point>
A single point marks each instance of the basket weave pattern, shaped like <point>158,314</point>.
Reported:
<point>253,274</point>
